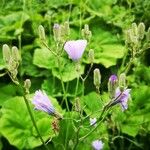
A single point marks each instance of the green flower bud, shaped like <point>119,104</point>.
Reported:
<point>91,56</point>
<point>15,53</point>
<point>57,32</point>
<point>77,105</point>
<point>67,28</point>
<point>86,33</point>
<point>41,32</point>
<point>27,85</point>
<point>122,81</point>
<point>141,30</point>
<point>6,53</point>
<point>14,73</point>
<point>128,36</point>
<point>134,29</point>
<point>97,78</point>
<point>148,35</point>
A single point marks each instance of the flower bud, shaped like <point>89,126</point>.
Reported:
<point>6,53</point>
<point>91,56</point>
<point>97,78</point>
<point>134,29</point>
<point>27,85</point>
<point>67,28</point>
<point>77,105</point>
<point>14,73</point>
<point>86,33</point>
<point>57,32</point>
<point>148,35</point>
<point>112,85</point>
<point>15,54</point>
<point>41,32</point>
<point>141,30</point>
<point>128,36</point>
<point>122,81</point>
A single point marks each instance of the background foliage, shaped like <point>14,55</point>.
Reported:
<point>108,19</point>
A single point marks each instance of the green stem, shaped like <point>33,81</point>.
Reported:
<point>127,69</point>
<point>62,84</point>
<point>32,118</point>
<point>100,119</point>
<point>77,85</point>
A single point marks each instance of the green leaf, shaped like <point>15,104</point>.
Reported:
<point>132,125</point>
<point>11,25</point>
<point>66,135</point>
<point>6,92</point>
<point>43,58</point>
<point>68,71</point>
<point>106,48</point>
<point>91,103</point>
<point>16,125</point>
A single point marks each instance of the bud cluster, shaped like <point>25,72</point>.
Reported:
<point>86,33</point>
<point>135,36</point>
<point>11,59</point>
<point>61,32</point>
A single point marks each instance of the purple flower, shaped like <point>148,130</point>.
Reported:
<point>75,49</point>
<point>122,97</point>
<point>97,145</point>
<point>42,102</point>
<point>112,85</point>
<point>113,79</point>
<point>93,121</point>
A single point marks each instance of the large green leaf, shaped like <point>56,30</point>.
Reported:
<point>65,70</point>
<point>92,103</point>
<point>6,92</point>
<point>11,25</point>
<point>16,125</point>
<point>106,46</point>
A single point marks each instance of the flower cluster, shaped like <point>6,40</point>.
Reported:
<point>119,95</point>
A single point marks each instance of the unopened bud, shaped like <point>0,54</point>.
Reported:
<point>148,34</point>
<point>128,36</point>
<point>41,32</point>
<point>86,33</point>
<point>112,85</point>
<point>141,30</point>
<point>67,28</point>
<point>15,54</point>
<point>97,78</point>
<point>14,74</point>
<point>27,85</point>
<point>91,56</point>
<point>6,53</point>
<point>57,32</point>
<point>134,29</point>
<point>122,81</point>
<point>77,105</point>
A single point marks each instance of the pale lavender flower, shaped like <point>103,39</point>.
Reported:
<point>43,103</point>
<point>97,145</point>
<point>122,97</point>
<point>93,121</point>
<point>75,49</point>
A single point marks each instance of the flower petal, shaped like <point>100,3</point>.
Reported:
<point>75,49</point>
